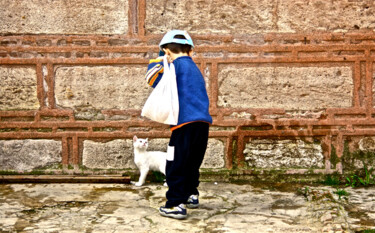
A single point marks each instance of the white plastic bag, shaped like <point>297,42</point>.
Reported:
<point>162,104</point>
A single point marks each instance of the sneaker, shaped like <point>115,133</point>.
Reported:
<point>177,212</point>
<point>192,202</point>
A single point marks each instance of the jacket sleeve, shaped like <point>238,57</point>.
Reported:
<point>155,71</point>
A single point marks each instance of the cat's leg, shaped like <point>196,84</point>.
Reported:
<point>162,170</point>
<point>142,177</point>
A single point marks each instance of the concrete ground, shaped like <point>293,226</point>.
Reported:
<point>225,207</point>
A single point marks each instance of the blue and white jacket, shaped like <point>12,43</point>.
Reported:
<point>192,94</point>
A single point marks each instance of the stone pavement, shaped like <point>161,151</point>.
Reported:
<point>224,207</point>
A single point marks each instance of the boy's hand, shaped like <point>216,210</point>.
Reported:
<point>169,59</point>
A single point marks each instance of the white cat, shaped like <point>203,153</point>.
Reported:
<point>147,160</point>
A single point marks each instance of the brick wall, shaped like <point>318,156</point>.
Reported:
<point>290,82</point>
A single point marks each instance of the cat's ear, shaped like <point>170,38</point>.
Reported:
<point>135,138</point>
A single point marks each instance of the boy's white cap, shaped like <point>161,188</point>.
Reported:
<point>169,38</point>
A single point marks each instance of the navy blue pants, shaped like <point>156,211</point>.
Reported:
<point>182,171</point>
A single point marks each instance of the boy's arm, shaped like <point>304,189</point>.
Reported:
<point>155,71</point>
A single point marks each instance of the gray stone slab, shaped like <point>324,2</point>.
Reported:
<point>269,153</point>
<point>89,89</point>
<point>290,88</point>
<point>116,154</point>
<point>26,155</point>
<point>215,154</point>
<point>64,17</point>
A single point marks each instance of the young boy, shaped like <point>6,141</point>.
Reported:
<point>189,138</point>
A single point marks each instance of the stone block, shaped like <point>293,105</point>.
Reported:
<point>258,17</point>
<point>158,144</point>
<point>18,88</point>
<point>64,17</point>
<point>220,17</point>
<point>26,155</point>
<point>269,153</point>
<point>291,88</point>
<point>116,154</point>
<point>89,89</point>
<point>215,154</point>
<point>335,16</point>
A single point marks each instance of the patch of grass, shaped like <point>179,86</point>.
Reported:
<point>9,173</point>
<point>363,178</point>
<point>36,172</point>
<point>366,231</point>
<point>33,172</point>
<point>331,180</point>
<point>158,176</point>
<point>341,193</point>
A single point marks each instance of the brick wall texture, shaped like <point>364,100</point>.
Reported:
<point>290,82</point>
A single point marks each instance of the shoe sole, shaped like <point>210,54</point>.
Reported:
<point>192,206</point>
<point>175,216</point>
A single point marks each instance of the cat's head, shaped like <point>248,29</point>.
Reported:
<point>140,143</point>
